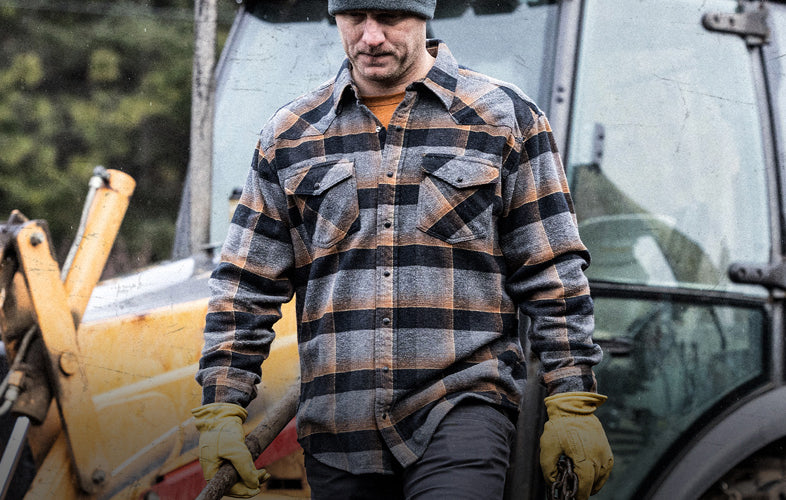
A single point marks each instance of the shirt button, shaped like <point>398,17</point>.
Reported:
<point>390,174</point>
<point>385,369</point>
<point>388,224</point>
<point>316,185</point>
<point>385,321</point>
<point>386,274</point>
<point>378,128</point>
<point>399,128</point>
<point>384,416</point>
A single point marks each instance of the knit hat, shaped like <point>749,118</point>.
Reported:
<point>422,8</point>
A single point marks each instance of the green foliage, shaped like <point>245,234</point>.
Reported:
<point>97,82</point>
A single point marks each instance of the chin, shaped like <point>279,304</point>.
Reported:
<point>379,76</point>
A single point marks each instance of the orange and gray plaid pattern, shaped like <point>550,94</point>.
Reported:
<point>410,250</point>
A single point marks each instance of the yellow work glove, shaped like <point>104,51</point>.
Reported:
<point>221,437</point>
<point>572,430</point>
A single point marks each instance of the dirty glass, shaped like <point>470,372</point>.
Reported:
<point>665,156</point>
<point>282,49</point>
<point>665,364</point>
<point>774,60</point>
<point>668,174</point>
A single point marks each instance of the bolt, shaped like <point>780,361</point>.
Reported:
<point>69,363</point>
<point>36,239</point>
<point>98,477</point>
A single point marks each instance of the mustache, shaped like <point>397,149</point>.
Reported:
<point>374,53</point>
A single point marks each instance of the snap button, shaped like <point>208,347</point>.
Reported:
<point>388,224</point>
<point>385,321</point>
<point>316,185</point>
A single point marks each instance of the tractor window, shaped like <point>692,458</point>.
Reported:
<point>665,158</point>
<point>518,34</point>
<point>665,364</point>
<point>266,63</point>
<point>281,49</point>
<point>667,169</point>
<point>776,65</point>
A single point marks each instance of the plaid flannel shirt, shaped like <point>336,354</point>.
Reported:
<point>409,249</point>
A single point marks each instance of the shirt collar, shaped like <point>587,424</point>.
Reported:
<point>440,80</point>
<point>443,76</point>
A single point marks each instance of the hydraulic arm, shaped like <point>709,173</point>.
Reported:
<point>40,311</point>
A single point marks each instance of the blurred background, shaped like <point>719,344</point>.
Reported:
<point>98,82</point>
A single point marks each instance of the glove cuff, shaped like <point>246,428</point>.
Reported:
<point>571,404</point>
<point>206,415</point>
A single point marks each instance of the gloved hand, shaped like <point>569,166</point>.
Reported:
<point>574,431</point>
<point>221,437</point>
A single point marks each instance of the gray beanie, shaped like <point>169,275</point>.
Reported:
<point>422,8</point>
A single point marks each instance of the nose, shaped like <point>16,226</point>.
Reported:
<point>373,35</point>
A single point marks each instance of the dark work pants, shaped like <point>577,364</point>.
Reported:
<point>467,458</point>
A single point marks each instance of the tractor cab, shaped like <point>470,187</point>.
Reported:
<point>668,116</point>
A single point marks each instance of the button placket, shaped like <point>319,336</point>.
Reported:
<point>384,327</point>
<point>387,182</point>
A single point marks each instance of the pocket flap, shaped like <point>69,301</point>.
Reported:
<point>316,179</point>
<point>460,171</point>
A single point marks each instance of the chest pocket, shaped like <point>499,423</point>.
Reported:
<point>326,198</point>
<point>456,197</point>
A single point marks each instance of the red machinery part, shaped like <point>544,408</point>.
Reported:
<point>187,482</point>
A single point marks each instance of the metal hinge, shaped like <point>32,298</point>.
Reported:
<point>750,22</point>
<point>767,275</point>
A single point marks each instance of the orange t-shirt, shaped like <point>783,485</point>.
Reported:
<point>383,106</point>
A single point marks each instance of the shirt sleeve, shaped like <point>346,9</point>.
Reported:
<point>546,261</point>
<point>248,287</point>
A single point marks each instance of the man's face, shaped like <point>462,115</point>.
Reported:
<point>386,48</point>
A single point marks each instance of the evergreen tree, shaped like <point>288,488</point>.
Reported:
<point>97,82</point>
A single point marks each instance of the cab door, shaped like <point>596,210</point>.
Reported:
<point>671,158</point>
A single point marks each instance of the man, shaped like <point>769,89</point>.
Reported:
<point>412,207</point>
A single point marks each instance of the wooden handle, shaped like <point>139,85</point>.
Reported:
<point>256,441</point>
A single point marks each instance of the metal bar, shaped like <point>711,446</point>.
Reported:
<point>565,57</point>
<point>200,159</point>
<point>66,367</point>
<point>96,181</point>
<point>772,66</point>
<point>770,145</point>
<point>13,451</point>
<point>771,57</point>
<point>702,296</point>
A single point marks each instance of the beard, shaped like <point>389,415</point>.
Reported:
<point>380,66</point>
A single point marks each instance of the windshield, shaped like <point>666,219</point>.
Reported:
<point>666,156</point>
<point>279,50</point>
